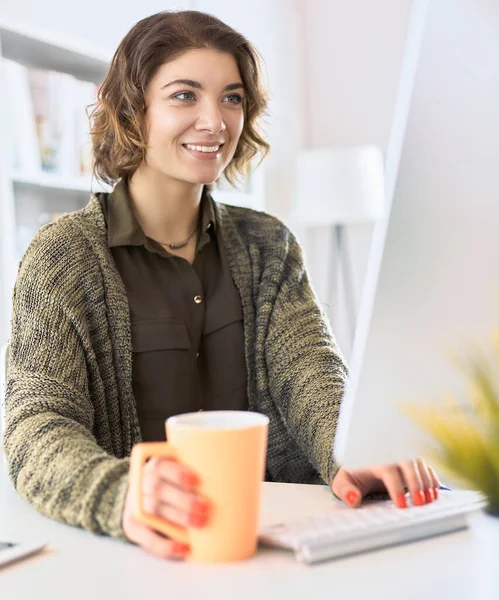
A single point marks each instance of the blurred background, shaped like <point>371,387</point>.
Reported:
<point>335,71</point>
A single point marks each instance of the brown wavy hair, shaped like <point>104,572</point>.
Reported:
<point>117,119</point>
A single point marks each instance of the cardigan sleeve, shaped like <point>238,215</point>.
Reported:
<point>54,460</point>
<point>306,371</point>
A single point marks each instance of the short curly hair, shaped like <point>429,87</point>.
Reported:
<point>118,117</point>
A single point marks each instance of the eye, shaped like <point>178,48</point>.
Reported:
<point>234,98</point>
<point>190,94</point>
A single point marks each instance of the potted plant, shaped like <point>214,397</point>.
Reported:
<point>465,438</point>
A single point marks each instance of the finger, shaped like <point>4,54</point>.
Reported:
<point>435,481</point>
<point>180,499</point>
<point>345,488</point>
<point>152,541</point>
<point>174,514</point>
<point>176,473</point>
<point>427,481</point>
<point>394,484</point>
<point>412,476</point>
<point>159,490</point>
<point>169,470</point>
<point>157,544</point>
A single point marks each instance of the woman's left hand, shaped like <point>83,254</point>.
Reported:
<point>419,479</point>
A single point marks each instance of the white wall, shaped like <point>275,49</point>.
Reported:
<point>354,54</point>
<point>101,22</point>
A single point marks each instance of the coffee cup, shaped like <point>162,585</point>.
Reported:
<point>227,450</point>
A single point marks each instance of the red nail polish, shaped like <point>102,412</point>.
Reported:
<point>199,505</point>
<point>351,498</point>
<point>428,494</point>
<point>400,501</point>
<point>197,520</point>
<point>188,480</point>
<point>418,498</point>
<point>435,492</point>
<point>179,548</point>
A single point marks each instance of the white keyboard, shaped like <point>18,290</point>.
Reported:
<point>346,531</point>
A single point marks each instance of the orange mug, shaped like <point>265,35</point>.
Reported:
<point>227,449</point>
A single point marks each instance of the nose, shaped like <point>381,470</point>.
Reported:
<point>210,118</point>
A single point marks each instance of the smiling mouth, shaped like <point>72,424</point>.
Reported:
<point>213,149</point>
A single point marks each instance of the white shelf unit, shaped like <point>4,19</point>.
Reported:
<point>26,198</point>
<point>55,182</point>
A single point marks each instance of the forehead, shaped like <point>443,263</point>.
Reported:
<point>204,65</point>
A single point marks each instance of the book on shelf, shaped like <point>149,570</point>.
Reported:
<point>49,126</point>
<point>19,123</point>
<point>51,94</point>
<point>85,97</point>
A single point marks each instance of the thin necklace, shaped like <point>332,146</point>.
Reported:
<point>178,245</point>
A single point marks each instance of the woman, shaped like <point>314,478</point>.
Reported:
<point>153,301</point>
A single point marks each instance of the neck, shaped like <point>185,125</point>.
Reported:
<point>166,209</point>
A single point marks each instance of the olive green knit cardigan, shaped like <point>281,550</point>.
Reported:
<point>71,419</point>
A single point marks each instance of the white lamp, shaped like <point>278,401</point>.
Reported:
<point>337,187</point>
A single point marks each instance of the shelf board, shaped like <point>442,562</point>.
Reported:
<point>44,50</point>
<point>82,184</point>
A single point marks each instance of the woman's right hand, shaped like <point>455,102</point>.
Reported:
<point>169,491</point>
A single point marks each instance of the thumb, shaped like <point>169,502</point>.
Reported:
<point>345,489</point>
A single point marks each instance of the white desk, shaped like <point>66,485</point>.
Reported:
<point>81,566</point>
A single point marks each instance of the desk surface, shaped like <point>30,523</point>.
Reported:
<point>80,566</point>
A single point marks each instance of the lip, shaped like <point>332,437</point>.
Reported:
<point>208,144</point>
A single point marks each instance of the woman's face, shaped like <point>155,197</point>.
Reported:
<point>194,116</point>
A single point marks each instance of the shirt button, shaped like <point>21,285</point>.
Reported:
<point>198,299</point>
<point>209,226</point>
<point>197,354</point>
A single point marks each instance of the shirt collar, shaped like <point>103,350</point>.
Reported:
<point>124,229</point>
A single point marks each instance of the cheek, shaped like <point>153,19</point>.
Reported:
<point>235,124</point>
<point>164,127</point>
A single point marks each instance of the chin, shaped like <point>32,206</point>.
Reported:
<point>205,179</point>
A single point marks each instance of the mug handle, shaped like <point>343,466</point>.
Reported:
<point>140,454</point>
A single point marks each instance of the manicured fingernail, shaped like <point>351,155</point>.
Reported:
<point>418,498</point>
<point>179,548</point>
<point>400,501</point>
<point>351,498</point>
<point>197,520</point>
<point>428,494</point>
<point>435,492</point>
<point>200,505</point>
<point>188,480</point>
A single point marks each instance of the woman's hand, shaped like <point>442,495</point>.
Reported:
<point>169,491</point>
<point>414,476</point>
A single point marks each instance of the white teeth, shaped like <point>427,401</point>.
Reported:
<point>203,148</point>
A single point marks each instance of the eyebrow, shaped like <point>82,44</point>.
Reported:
<point>197,85</point>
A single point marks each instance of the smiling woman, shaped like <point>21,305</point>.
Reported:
<point>155,301</point>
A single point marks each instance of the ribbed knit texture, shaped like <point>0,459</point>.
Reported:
<point>71,419</point>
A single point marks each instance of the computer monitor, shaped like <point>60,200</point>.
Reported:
<point>433,278</point>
